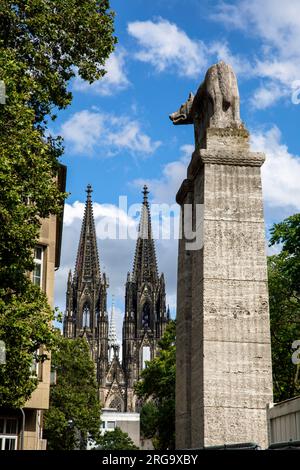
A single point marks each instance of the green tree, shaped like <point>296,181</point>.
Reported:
<point>51,39</point>
<point>116,440</point>
<point>42,45</point>
<point>284,295</point>
<point>287,233</point>
<point>157,389</point>
<point>74,413</point>
<point>149,417</point>
<point>24,325</point>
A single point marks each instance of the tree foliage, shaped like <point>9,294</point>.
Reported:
<point>149,417</point>
<point>157,389</point>
<point>74,412</point>
<point>24,331</point>
<point>284,295</point>
<point>288,234</point>
<point>52,38</point>
<point>42,45</point>
<point>116,440</point>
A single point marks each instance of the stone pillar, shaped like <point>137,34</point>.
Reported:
<point>224,379</point>
<point>184,328</point>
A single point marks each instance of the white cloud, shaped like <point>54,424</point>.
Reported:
<point>164,189</point>
<point>87,131</point>
<point>279,75</point>
<point>280,172</point>
<point>266,95</point>
<point>114,80</point>
<point>83,130</point>
<point>240,64</point>
<point>72,212</point>
<point>277,25</point>
<point>285,72</point>
<point>229,15</point>
<point>276,22</point>
<point>129,136</point>
<point>166,46</point>
<point>75,211</point>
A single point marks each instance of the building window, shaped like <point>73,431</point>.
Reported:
<point>36,368</point>
<point>38,266</point>
<point>53,376</point>
<point>86,316</point>
<point>146,356</point>
<point>111,425</point>
<point>8,433</point>
<point>146,316</point>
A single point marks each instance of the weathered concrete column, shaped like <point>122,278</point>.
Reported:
<point>183,324</point>
<point>224,379</point>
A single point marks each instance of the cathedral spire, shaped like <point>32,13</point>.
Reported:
<point>144,267</point>
<point>112,334</point>
<point>168,313</point>
<point>86,299</point>
<point>145,307</point>
<point>87,262</point>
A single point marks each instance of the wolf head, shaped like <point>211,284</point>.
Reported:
<point>183,115</point>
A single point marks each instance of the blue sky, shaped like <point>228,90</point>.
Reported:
<point>117,131</point>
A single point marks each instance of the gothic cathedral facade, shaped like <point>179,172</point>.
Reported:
<point>145,314</point>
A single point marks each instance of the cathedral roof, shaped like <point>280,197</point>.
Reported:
<point>145,267</point>
<point>87,265</point>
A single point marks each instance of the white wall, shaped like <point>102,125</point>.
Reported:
<point>284,421</point>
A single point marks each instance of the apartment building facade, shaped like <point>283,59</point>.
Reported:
<point>22,429</point>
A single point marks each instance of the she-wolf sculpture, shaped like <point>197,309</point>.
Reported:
<point>216,103</point>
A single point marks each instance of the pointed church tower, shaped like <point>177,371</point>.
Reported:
<point>112,392</point>
<point>145,317</point>
<point>113,345</point>
<point>86,295</point>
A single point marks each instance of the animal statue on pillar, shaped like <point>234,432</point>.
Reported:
<point>215,105</point>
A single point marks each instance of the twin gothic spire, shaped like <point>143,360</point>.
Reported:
<point>87,262</point>
<point>145,314</point>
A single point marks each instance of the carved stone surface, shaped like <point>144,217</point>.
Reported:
<point>224,379</point>
<point>215,105</point>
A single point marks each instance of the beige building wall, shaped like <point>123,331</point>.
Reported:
<point>50,242</point>
<point>23,428</point>
<point>39,400</point>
